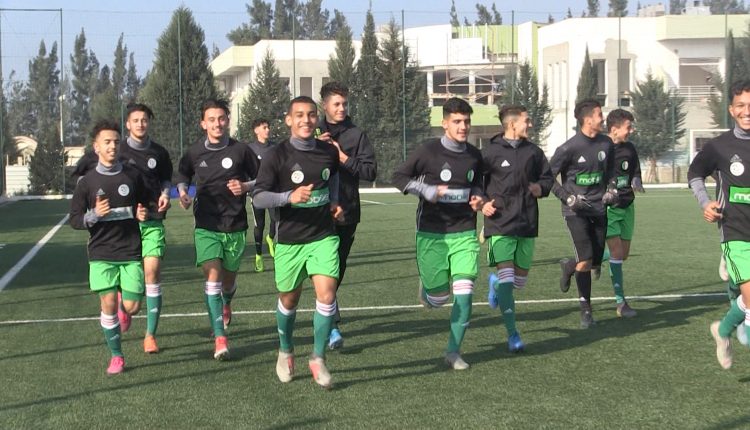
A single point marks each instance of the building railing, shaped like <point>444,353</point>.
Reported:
<point>696,93</point>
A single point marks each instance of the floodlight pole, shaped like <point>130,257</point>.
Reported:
<point>2,112</point>
<point>403,87</point>
<point>179,78</point>
<point>61,98</point>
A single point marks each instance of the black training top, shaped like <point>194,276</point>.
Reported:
<point>627,167</point>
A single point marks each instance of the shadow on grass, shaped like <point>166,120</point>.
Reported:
<point>737,423</point>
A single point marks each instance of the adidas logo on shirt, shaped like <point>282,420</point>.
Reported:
<point>581,160</point>
<point>505,163</point>
<point>203,164</point>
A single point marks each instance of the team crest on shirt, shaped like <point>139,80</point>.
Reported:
<point>123,190</point>
<point>446,174</point>
<point>736,167</point>
<point>470,175</point>
<point>226,163</point>
<point>625,165</point>
<point>151,163</point>
<point>601,155</point>
<point>297,175</point>
<point>325,174</point>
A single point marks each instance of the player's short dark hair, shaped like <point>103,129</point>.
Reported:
<point>507,111</point>
<point>739,87</point>
<point>215,104</point>
<point>301,99</point>
<point>139,107</point>
<point>584,109</point>
<point>334,88</point>
<point>617,117</point>
<point>456,105</point>
<point>258,122</point>
<point>104,124</point>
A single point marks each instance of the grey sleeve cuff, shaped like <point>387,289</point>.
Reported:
<point>250,186</point>
<point>268,199</point>
<point>182,187</point>
<point>333,188</point>
<point>698,185</point>
<point>166,186</point>
<point>427,192</point>
<point>90,218</point>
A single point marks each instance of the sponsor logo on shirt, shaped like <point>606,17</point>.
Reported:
<point>622,181</point>
<point>739,195</point>
<point>588,179</point>
<point>458,195</point>
<point>318,198</point>
<point>118,214</point>
<point>151,163</point>
<point>226,163</point>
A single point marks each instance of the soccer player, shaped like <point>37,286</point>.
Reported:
<point>357,159</point>
<point>621,216</point>
<point>516,174</point>
<point>108,201</point>
<point>300,177</point>
<point>587,184</point>
<point>445,173</point>
<point>223,171</point>
<point>155,166</point>
<point>725,157</point>
<point>260,146</point>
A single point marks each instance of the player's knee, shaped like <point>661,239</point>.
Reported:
<point>131,306</point>
<point>284,309</point>
<point>583,266</point>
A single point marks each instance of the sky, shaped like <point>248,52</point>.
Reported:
<point>143,21</point>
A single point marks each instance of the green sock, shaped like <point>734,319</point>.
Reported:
<point>322,329</point>
<point>507,305</point>
<point>153,306</point>
<point>615,271</point>
<point>734,317</point>
<point>214,304</point>
<point>226,296</point>
<point>460,315</point>
<point>112,338</point>
<point>285,327</point>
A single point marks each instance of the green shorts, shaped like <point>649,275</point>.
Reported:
<point>106,276</point>
<point>737,256</point>
<point>621,222</point>
<point>295,262</point>
<point>153,238</point>
<point>442,258</point>
<point>519,250</point>
<point>227,247</point>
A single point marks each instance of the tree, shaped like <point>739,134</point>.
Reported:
<point>284,18</point>
<point>587,82</point>
<point>484,17</point>
<point>618,8</point>
<point>267,97</point>
<point>569,14</point>
<point>526,93</point>
<point>341,64</point>
<point>314,20</point>
<point>659,117</point>
<point>337,23</point>
<point>105,104</point>
<point>736,69</point>
<point>454,15</point>
<point>726,6</point>
<point>42,92</point>
<point>259,27</point>
<point>593,8</point>
<point>497,19</point>
<point>550,19</point>
<point>7,141</point>
<point>132,81</point>
<point>676,6</point>
<point>162,90</point>
<point>389,139</point>
<point>84,69</point>
<point>363,103</point>
<point>119,70</point>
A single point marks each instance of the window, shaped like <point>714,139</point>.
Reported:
<point>599,69</point>
<point>305,86</point>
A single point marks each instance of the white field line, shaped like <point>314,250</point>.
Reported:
<point>377,308</point>
<point>5,280</point>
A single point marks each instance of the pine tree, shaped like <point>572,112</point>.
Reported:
<point>132,81</point>
<point>285,19</point>
<point>587,82</point>
<point>105,104</point>
<point>726,6</point>
<point>660,118</point>
<point>267,97</point>
<point>593,8</point>
<point>119,69</point>
<point>161,91</point>
<point>454,15</point>
<point>7,140</point>
<point>497,19</point>
<point>314,20</point>
<point>484,17</point>
<point>737,51</point>
<point>676,6</point>
<point>363,102</point>
<point>550,19</point>
<point>341,64</point>
<point>569,14</point>
<point>337,23</point>
<point>259,27</point>
<point>618,8</point>
<point>84,70</point>
<point>526,93</point>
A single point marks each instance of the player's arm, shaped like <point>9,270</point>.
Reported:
<point>165,181</point>
<point>183,177</point>
<point>558,165</point>
<point>362,162</point>
<point>544,180</point>
<point>404,177</point>
<point>82,216</point>
<point>84,164</point>
<point>477,197</point>
<point>265,194</point>
<point>703,165</point>
<point>488,208</point>
<point>610,196</point>
<point>141,197</point>
<point>637,182</point>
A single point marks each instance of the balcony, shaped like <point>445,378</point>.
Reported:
<point>696,93</point>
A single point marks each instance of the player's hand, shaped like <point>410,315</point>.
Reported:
<point>141,213</point>
<point>342,156</point>
<point>476,203</point>
<point>577,202</point>
<point>325,137</point>
<point>535,189</point>
<point>610,197</point>
<point>164,203</point>
<point>489,209</point>
<point>185,200</point>
<point>337,213</point>
<point>301,194</point>
<point>102,206</point>
<point>235,186</point>
<point>637,185</point>
<point>712,211</point>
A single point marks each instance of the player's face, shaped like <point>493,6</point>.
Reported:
<point>137,124</point>
<point>522,125</point>
<point>302,119</point>
<point>457,126</point>
<point>106,144</point>
<point>262,132</point>
<point>335,107</point>
<point>740,110</point>
<point>215,122</point>
<point>596,120</point>
<point>622,132</point>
